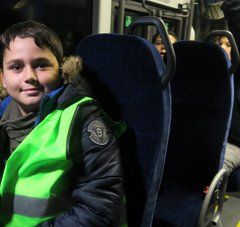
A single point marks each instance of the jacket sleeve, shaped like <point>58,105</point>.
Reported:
<point>97,192</point>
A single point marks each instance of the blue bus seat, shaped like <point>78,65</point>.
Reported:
<point>124,73</point>
<point>202,100</point>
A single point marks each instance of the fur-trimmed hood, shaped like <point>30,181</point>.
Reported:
<point>76,86</point>
<point>3,92</point>
<point>71,68</point>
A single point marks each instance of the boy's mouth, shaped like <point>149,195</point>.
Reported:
<point>32,91</point>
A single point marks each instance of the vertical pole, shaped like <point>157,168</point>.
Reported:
<point>121,10</point>
<point>190,19</point>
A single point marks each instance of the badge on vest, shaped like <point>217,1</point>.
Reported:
<point>98,132</point>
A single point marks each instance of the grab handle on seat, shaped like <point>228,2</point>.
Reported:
<point>171,58</point>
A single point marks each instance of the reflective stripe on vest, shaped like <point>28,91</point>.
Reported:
<point>33,207</point>
<point>37,173</point>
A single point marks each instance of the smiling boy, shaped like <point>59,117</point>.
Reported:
<point>53,171</point>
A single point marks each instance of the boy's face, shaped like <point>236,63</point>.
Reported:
<point>29,73</point>
<point>225,44</point>
<point>160,46</point>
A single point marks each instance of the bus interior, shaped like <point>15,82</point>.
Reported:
<point>191,21</point>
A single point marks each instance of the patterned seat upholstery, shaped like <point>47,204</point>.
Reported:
<point>202,100</point>
<point>124,72</point>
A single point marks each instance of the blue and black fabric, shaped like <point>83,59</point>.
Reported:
<point>124,72</point>
<point>202,100</point>
<point>4,104</point>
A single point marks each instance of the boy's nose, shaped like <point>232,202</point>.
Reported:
<point>30,74</point>
<point>163,51</point>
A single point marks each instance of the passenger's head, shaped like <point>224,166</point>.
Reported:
<point>157,41</point>
<point>172,36</point>
<point>223,42</point>
<point>31,55</point>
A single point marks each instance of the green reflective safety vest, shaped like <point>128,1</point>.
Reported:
<point>37,173</point>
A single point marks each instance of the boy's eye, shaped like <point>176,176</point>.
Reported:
<point>159,43</point>
<point>41,65</point>
<point>15,67</point>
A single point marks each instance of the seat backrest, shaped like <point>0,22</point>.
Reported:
<point>202,100</point>
<point>124,73</point>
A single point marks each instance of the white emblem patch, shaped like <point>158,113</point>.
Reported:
<point>98,132</point>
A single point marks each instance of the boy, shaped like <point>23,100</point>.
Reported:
<point>59,161</point>
<point>157,41</point>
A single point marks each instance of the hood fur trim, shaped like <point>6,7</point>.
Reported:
<point>71,68</point>
<point>3,92</point>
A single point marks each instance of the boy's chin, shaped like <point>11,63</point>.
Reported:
<point>30,105</point>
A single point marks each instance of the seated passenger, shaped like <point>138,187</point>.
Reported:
<point>59,160</point>
<point>223,42</point>
<point>157,41</point>
<point>232,155</point>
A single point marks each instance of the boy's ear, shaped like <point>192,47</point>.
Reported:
<point>2,80</point>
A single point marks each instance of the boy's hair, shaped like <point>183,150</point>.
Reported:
<point>154,38</point>
<point>43,36</point>
<point>173,34</point>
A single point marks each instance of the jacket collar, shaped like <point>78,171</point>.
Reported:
<point>60,99</point>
